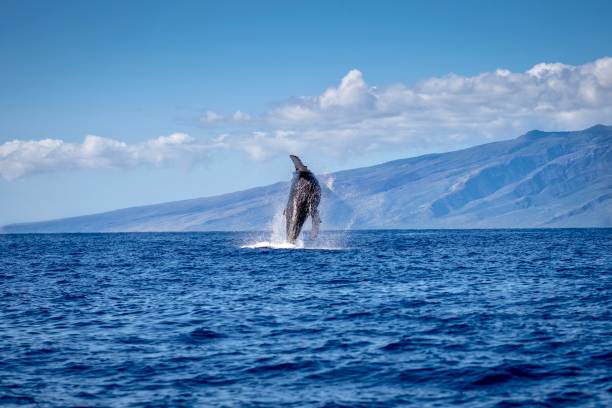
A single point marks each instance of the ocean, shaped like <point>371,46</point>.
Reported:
<point>441,318</point>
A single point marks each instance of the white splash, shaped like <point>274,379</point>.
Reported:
<point>272,245</point>
<point>277,238</point>
<point>329,181</point>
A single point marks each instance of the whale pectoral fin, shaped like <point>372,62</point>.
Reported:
<point>316,220</point>
<point>299,166</point>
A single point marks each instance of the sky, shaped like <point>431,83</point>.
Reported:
<point>111,104</point>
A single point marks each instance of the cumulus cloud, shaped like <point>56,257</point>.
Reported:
<point>353,117</point>
<point>240,116</point>
<point>211,117</point>
<point>21,158</point>
<point>438,113</point>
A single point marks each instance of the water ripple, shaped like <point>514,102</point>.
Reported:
<point>499,318</point>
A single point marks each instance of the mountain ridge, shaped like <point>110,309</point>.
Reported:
<point>539,179</point>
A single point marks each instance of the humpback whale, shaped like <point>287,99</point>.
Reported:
<point>304,199</point>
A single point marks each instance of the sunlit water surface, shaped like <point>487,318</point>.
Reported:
<point>379,318</point>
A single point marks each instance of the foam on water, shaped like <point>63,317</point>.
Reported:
<point>273,245</point>
<point>325,245</point>
<point>277,238</point>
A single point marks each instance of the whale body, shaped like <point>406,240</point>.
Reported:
<point>304,199</point>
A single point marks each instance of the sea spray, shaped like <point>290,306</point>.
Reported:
<point>276,237</point>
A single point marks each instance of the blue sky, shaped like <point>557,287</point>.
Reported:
<point>232,87</point>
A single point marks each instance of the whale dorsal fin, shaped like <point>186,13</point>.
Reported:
<point>299,166</point>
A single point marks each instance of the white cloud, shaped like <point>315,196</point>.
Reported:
<point>439,113</point>
<point>239,116</point>
<point>211,117</point>
<point>21,158</point>
<point>351,92</point>
<point>436,114</point>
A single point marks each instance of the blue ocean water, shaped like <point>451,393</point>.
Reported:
<point>379,318</point>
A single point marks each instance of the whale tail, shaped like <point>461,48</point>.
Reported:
<point>299,166</point>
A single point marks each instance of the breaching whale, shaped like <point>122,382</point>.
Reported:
<point>304,199</point>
